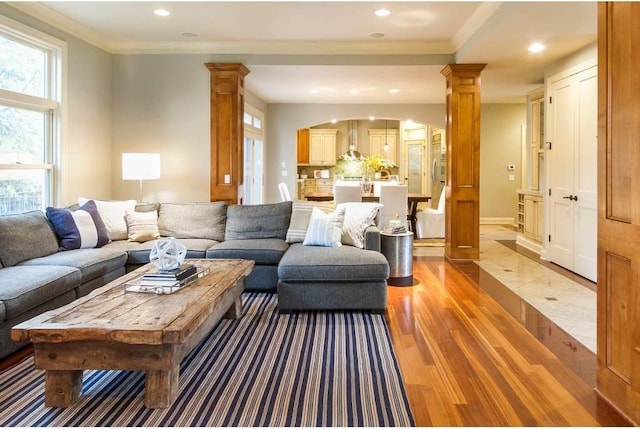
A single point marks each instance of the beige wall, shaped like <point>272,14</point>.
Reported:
<point>500,145</point>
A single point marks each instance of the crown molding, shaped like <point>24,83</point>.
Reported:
<point>61,22</point>
<point>287,48</point>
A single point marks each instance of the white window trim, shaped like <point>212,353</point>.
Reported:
<point>56,95</point>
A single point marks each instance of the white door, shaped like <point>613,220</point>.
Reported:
<point>415,171</point>
<point>572,127</point>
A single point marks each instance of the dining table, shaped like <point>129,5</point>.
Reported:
<point>413,199</point>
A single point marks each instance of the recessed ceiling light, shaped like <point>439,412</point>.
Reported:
<point>354,91</point>
<point>536,47</point>
<point>382,12</point>
<point>162,12</point>
<point>376,35</point>
<point>188,34</point>
<point>334,120</point>
<point>394,91</point>
<point>372,118</point>
<point>315,91</point>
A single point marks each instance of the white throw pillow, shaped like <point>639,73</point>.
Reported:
<point>357,217</point>
<point>142,226</point>
<point>324,229</point>
<point>113,215</point>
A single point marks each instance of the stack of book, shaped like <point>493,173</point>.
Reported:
<point>169,277</point>
<point>398,230</point>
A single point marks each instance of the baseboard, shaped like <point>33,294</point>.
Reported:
<point>527,243</point>
<point>497,221</point>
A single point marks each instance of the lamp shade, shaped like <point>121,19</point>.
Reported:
<point>140,166</point>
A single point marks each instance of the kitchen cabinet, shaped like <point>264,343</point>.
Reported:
<point>530,221</point>
<point>303,146</point>
<point>377,139</point>
<point>322,146</point>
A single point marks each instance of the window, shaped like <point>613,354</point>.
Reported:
<point>30,117</point>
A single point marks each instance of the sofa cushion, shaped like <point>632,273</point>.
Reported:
<point>25,287</point>
<point>92,263</point>
<point>332,264</point>
<point>80,229</point>
<point>25,236</point>
<point>193,220</point>
<point>112,214</point>
<point>258,221</point>
<point>325,229</point>
<point>196,248</point>
<point>142,226</point>
<point>264,251</point>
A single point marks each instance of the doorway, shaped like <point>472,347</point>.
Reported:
<point>253,171</point>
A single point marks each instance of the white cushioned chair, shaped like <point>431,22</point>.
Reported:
<point>430,222</point>
<point>347,193</point>
<point>394,202</point>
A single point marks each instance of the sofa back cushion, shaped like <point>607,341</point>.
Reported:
<point>258,221</point>
<point>193,220</point>
<point>25,236</point>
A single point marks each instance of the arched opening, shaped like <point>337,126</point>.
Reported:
<point>352,148</point>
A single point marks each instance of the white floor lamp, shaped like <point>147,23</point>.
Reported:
<point>140,166</point>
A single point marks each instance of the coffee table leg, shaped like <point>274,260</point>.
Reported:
<point>161,388</point>
<point>235,311</point>
<point>62,388</point>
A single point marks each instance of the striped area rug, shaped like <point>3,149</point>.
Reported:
<point>304,369</point>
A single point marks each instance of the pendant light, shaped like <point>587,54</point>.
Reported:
<point>385,148</point>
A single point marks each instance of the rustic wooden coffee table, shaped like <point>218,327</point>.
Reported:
<point>114,329</point>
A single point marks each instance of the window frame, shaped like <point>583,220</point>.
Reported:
<point>52,105</point>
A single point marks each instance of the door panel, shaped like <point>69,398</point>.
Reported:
<point>561,174</point>
<point>586,237</point>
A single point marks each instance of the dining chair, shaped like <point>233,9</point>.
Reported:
<point>394,203</point>
<point>347,193</point>
<point>284,192</point>
<point>430,222</point>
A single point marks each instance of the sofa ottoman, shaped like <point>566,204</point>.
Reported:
<point>332,278</point>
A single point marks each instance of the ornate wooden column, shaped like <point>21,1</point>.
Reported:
<point>462,208</point>
<point>227,111</point>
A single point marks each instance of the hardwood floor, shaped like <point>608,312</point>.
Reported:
<point>467,362</point>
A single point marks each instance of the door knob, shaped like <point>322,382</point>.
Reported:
<point>570,197</point>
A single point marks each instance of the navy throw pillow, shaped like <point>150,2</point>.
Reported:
<point>78,229</point>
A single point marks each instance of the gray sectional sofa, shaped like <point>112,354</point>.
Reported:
<point>36,277</point>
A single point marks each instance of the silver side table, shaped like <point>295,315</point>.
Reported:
<point>398,249</point>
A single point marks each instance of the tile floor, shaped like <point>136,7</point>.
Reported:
<point>566,302</point>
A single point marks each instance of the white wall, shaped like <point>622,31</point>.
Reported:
<point>500,145</point>
<point>87,167</point>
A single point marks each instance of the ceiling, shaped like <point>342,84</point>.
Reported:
<point>296,47</point>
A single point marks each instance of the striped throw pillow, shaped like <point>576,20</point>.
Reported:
<point>80,229</point>
<point>325,229</point>
<point>300,217</point>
